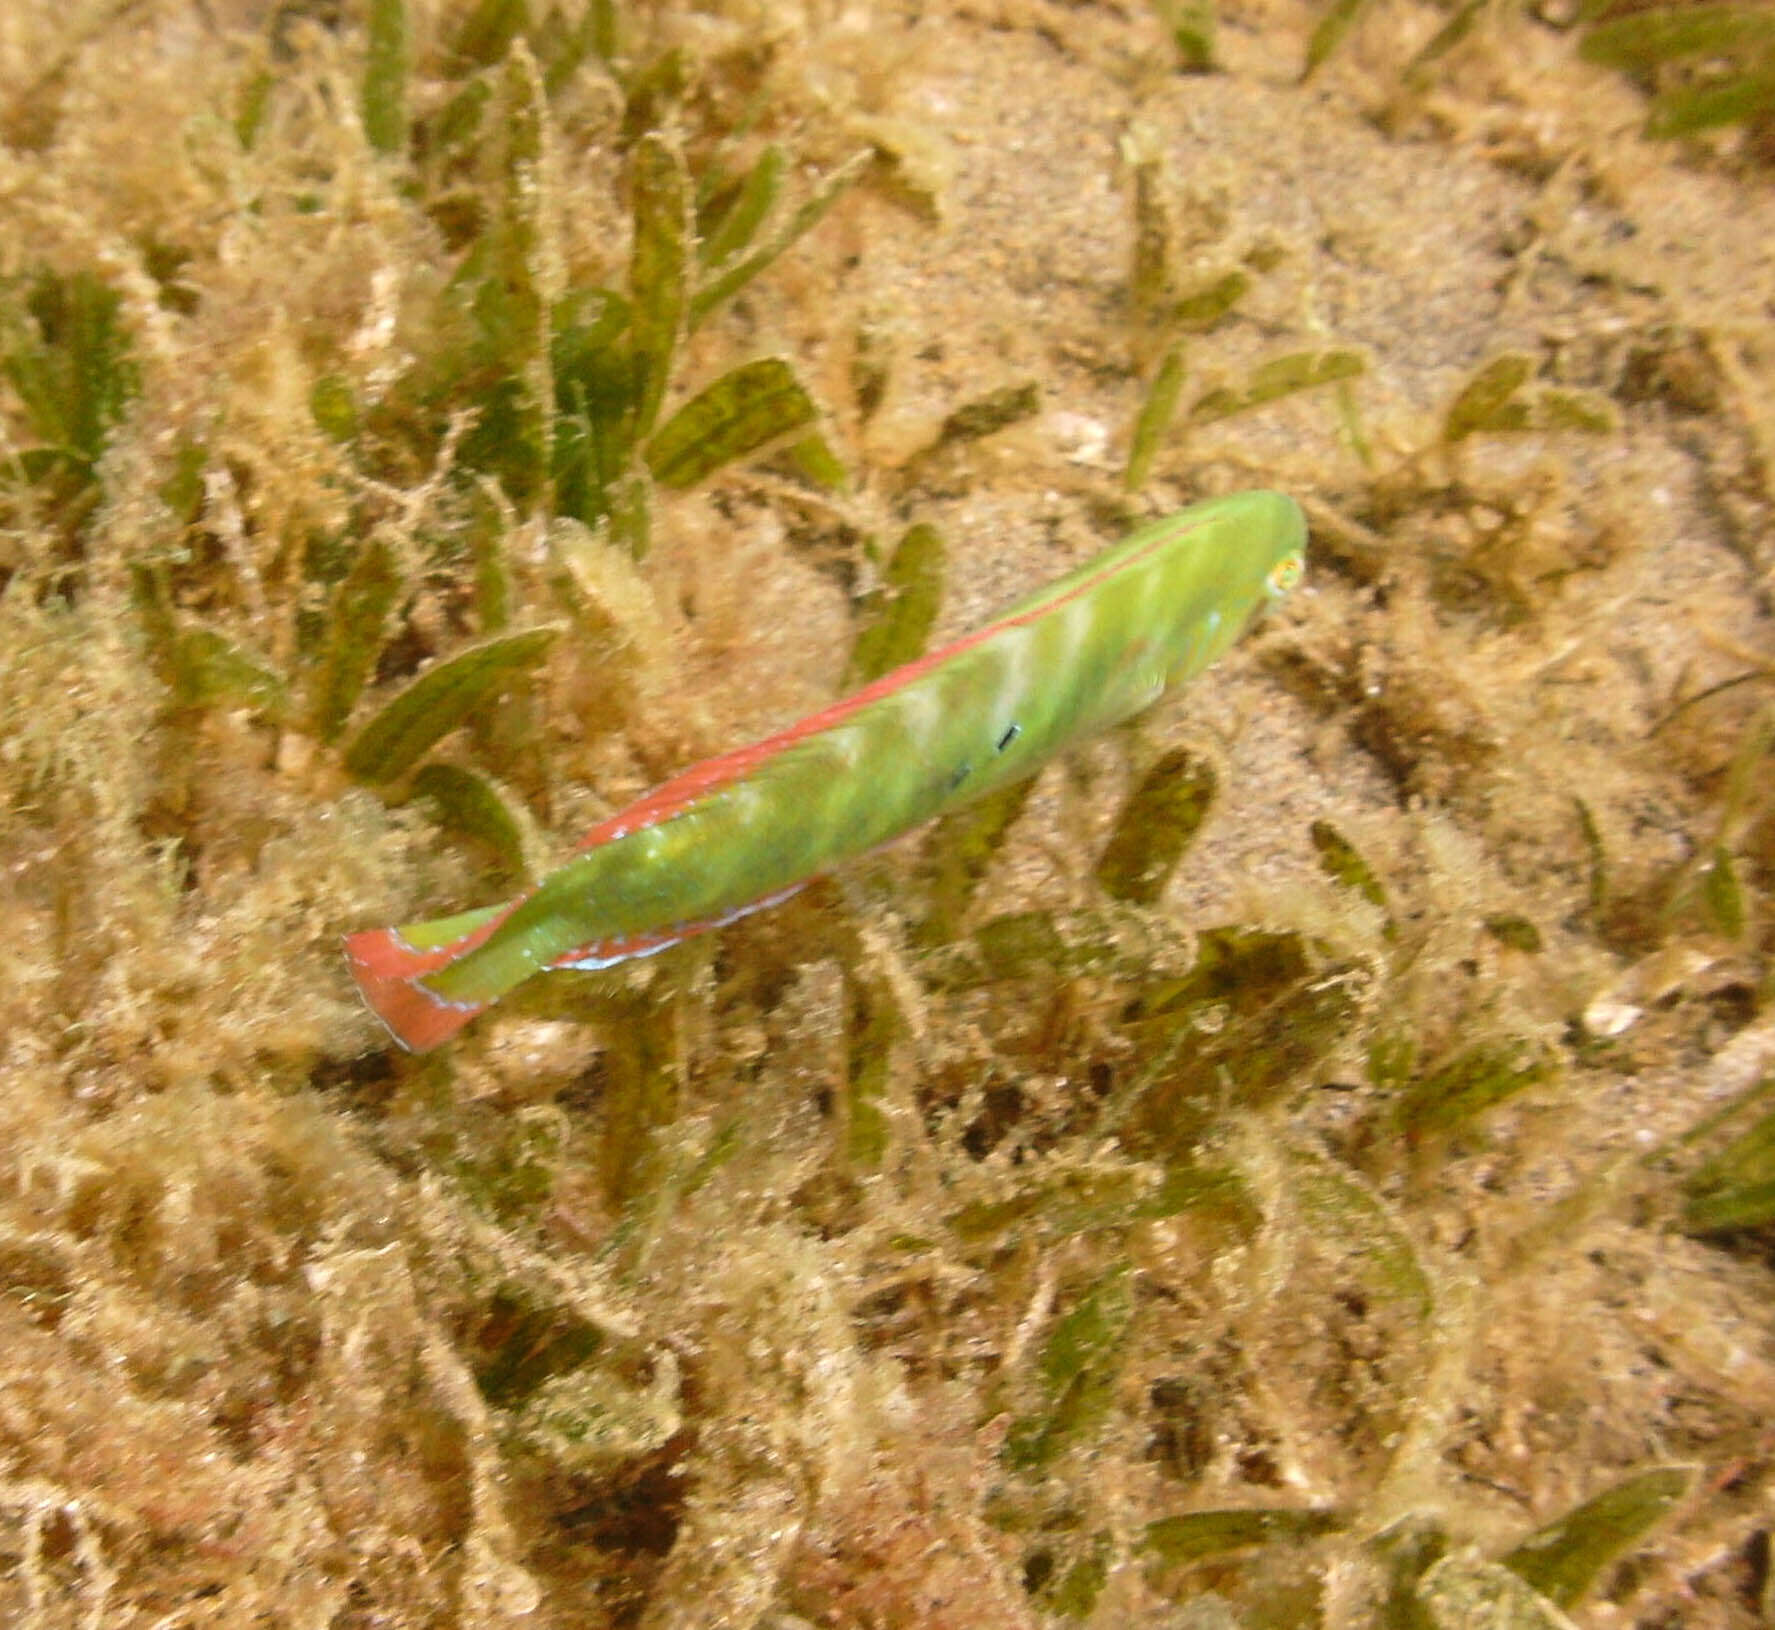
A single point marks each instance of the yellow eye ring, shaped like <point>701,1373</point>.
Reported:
<point>1286,574</point>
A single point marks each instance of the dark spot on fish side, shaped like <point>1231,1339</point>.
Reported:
<point>1011,733</point>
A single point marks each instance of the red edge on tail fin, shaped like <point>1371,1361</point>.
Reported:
<point>390,973</point>
<point>388,970</point>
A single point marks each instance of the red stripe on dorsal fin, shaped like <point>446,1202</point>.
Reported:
<point>388,970</point>
<point>675,796</point>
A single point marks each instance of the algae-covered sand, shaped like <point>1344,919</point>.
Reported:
<point>1362,1221</point>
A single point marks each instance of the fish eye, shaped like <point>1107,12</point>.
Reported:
<point>1286,574</point>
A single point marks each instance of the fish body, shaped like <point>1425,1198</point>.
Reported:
<point>745,830</point>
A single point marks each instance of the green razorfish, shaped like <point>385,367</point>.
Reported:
<point>743,831</point>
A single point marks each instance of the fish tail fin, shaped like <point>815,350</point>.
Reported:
<point>390,969</point>
<point>388,973</point>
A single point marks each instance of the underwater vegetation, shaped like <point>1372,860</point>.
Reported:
<point>1304,1159</point>
<point>1702,67</point>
